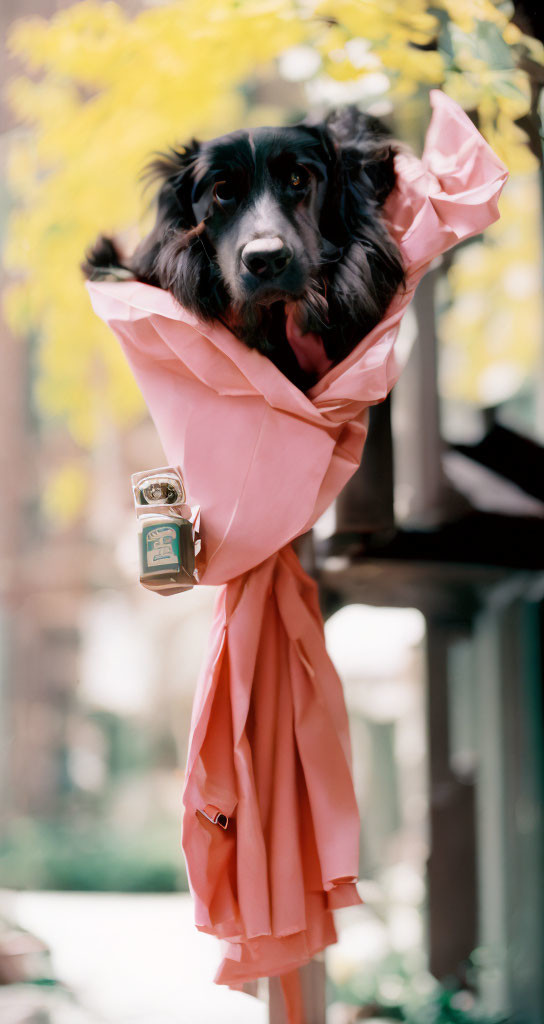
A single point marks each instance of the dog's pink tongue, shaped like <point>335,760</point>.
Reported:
<point>308,348</point>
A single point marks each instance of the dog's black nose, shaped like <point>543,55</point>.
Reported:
<point>266,257</point>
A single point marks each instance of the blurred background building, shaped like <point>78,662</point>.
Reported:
<point>430,565</point>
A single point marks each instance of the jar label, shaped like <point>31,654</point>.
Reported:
<point>160,549</point>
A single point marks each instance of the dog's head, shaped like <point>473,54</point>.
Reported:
<point>251,220</point>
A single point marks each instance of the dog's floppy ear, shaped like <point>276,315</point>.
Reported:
<point>366,270</point>
<point>174,208</point>
<point>365,148</point>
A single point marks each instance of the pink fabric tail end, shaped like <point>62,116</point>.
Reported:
<point>270,756</point>
<point>292,997</point>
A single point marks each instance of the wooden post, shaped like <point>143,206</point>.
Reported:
<point>451,869</point>
<point>429,499</point>
<point>366,503</point>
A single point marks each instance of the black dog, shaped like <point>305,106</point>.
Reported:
<point>253,220</point>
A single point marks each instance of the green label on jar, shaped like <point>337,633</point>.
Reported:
<point>160,549</point>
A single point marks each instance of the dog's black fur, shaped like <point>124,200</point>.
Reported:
<point>249,221</point>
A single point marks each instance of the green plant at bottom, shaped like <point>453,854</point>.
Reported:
<point>398,990</point>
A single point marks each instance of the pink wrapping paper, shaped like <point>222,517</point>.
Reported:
<point>269,747</point>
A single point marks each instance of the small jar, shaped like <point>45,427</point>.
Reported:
<point>167,529</point>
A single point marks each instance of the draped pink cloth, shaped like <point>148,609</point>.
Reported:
<point>269,747</point>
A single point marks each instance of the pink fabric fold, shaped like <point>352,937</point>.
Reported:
<point>269,749</point>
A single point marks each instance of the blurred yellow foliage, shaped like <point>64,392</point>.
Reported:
<point>490,335</point>
<point>102,88</point>
<point>65,494</point>
<point>467,13</point>
<point>378,20</point>
<point>111,89</point>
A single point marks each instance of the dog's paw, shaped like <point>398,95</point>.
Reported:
<point>110,274</point>
<point>103,262</point>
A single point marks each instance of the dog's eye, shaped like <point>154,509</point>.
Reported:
<point>224,194</point>
<point>298,179</point>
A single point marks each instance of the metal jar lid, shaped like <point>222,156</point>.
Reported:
<point>160,489</point>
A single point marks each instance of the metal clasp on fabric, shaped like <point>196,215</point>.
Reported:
<point>214,815</point>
